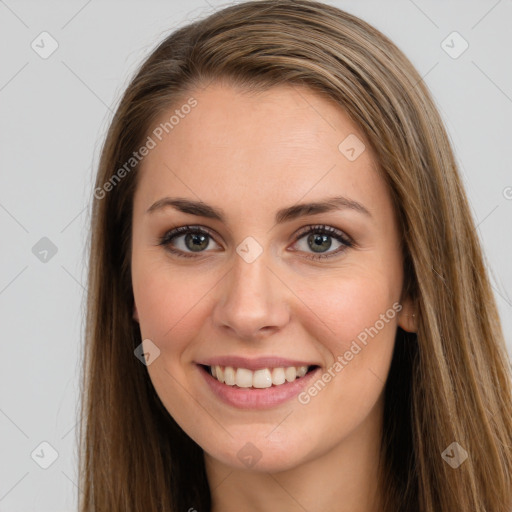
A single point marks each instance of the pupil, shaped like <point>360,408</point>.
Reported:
<point>319,239</point>
<point>198,241</point>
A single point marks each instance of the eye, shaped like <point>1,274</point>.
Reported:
<point>184,241</point>
<point>319,239</point>
<point>194,239</point>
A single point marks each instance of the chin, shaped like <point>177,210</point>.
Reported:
<point>259,454</point>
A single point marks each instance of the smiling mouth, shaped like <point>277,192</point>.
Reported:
<point>257,379</point>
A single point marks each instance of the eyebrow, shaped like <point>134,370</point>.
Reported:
<point>284,215</point>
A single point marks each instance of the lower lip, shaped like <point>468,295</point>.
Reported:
<point>250,398</point>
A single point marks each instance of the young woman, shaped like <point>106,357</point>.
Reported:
<point>288,304</point>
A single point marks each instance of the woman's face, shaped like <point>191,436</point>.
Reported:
<point>252,290</point>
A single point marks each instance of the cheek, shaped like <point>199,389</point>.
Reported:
<point>346,308</point>
<point>356,323</point>
<point>174,307</point>
<point>168,304</point>
<point>165,299</point>
<point>362,317</point>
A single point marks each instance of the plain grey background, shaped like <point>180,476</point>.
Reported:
<point>55,110</point>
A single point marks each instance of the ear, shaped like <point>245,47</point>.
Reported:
<point>135,313</point>
<point>407,317</point>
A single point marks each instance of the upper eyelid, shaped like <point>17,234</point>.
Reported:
<point>299,234</point>
<point>179,231</point>
<point>330,230</point>
<point>304,229</point>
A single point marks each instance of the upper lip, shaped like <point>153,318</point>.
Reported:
<point>253,364</point>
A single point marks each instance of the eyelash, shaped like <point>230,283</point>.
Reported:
<point>317,229</point>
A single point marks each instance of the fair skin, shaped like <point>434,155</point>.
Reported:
<point>251,155</point>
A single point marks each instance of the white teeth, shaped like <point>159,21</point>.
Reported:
<point>229,376</point>
<point>301,371</point>
<point>290,373</point>
<point>243,378</point>
<point>278,376</point>
<point>263,378</point>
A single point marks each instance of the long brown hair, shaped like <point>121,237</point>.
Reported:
<point>449,382</point>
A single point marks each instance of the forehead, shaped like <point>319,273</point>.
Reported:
<point>278,145</point>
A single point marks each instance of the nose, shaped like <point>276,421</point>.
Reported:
<point>252,302</point>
